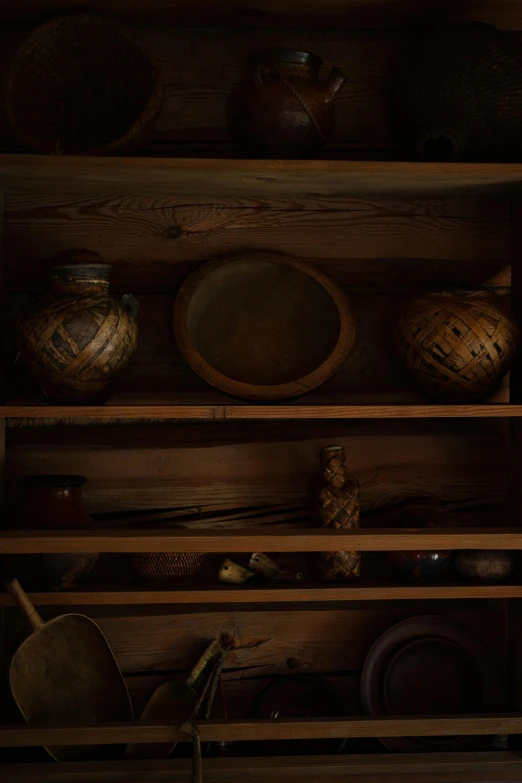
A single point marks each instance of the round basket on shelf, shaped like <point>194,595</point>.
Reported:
<point>80,86</point>
<point>173,568</point>
<point>456,347</point>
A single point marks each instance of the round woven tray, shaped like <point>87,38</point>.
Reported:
<point>80,86</point>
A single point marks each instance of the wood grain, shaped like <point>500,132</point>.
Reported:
<point>481,767</point>
<point>252,473</point>
<point>347,13</point>
<point>243,540</point>
<point>273,412</point>
<point>192,177</point>
<point>212,594</point>
<point>153,242</point>
<point>283,728</point>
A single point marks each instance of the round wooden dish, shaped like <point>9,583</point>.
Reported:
<point>430,665</point>
<point>262,326</point>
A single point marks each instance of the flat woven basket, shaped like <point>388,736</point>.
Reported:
<point>457,94</point>
<point>80,86</point>
<point>176,569</point>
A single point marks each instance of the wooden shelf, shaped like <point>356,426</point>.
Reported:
<point>485,767</point>
<point>263,729</point>
<point>197,177</point>
<point>288,412</point>
<point>218,594</point>
<point>13,542</point>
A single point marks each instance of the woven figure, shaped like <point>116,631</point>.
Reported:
<point>337,506</point>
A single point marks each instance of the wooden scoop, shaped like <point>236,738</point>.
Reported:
<point>172,702</point>
<point>65,673</point>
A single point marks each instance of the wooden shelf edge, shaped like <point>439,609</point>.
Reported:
<point>236,177</point>
<point>266,412</point>
<point>16,542</point>
<point>490,766</point>
<point>265,729</point>
<point>214,594</point>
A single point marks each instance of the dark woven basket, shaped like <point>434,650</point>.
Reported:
<point>175,569</point>
<point>457,95</point>
<point>80,86</point>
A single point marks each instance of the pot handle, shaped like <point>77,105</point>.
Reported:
<point>257,74</point>
<point>129,303</point>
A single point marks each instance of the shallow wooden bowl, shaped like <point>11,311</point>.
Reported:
<point>263,326</point>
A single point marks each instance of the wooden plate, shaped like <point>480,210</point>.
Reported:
<point>263,326</point>
<point>430,665</point>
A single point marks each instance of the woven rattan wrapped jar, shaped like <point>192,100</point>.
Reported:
<point>172,568</point>
<point>80,86</point>
<point>76,341</point>
<point>456,347</point>
<point>457,94</point>
<point>337,506</point>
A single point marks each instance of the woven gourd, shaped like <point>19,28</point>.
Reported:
<point>457,94</point>
<point>456,347</point>
<point>337,506</point>
<point>176,569</point>
<point>79,86</point>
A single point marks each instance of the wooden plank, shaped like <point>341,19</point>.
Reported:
<point>245,13</point>
<point>283,728</point>
<point>242,474</point>
<point>244,540</point>
<point>192,177</point>
<point>213,594</point>
<point>155,242</point>
<point>287,412</point>
<point>477,767</point>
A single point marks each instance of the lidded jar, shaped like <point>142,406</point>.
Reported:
<point>284,111</point>
<point>77,341</point>
<point>53,502</point>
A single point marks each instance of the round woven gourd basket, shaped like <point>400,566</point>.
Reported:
<point>175,569</point>
<point>80,86</point>
<point>456,347</point>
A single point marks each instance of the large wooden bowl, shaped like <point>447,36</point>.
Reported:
<point>263,326</point>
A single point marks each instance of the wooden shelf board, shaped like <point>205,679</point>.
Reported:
<point>250,540</point>
<point>266,412</point>
<point>480,767</point>
<point>263,729</point>
<point>218,594</point>
<point>196,177</point>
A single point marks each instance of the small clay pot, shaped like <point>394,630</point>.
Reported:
<point>485,565</point>
<point>53,503</point>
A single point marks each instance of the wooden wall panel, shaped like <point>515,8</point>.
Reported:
<point>383,245</point>
<point>346,13</point>
<point>408,474</point>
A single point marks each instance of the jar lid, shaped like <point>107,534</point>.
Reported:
<point>80,271</point>
<point>55,480</point>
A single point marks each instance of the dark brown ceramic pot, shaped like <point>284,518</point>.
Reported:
<point>77,341</point>
<point>284,111</point>
<point>53,503</point>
